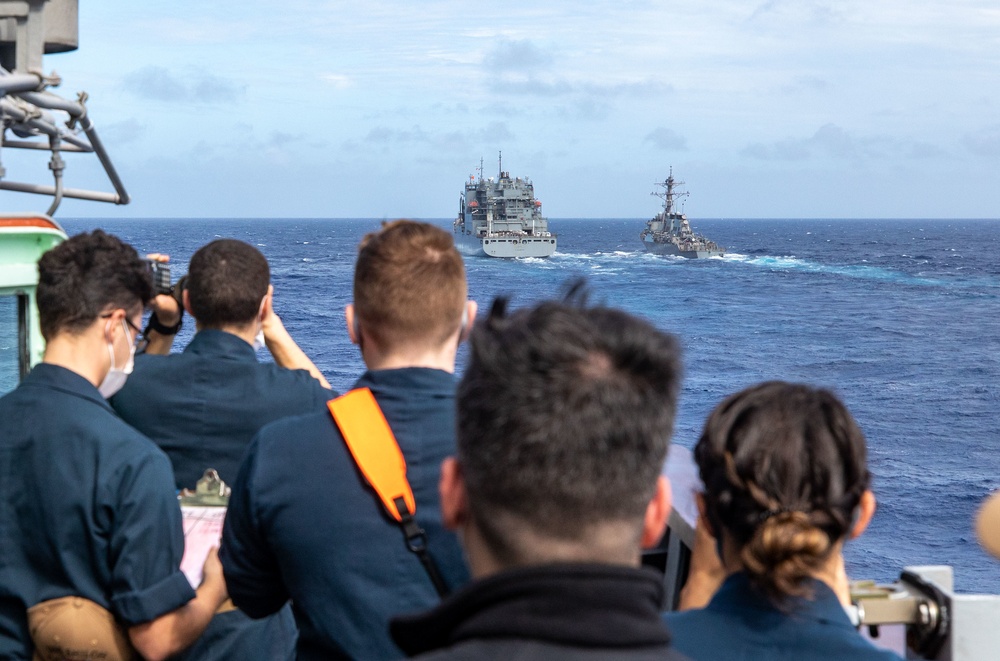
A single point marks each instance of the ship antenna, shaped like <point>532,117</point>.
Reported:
<point>500,174</point>
<point>670,191</point>
<point>668,195</point>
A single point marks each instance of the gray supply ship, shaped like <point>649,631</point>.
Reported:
<point>502,217</point>
<point>670,233</point>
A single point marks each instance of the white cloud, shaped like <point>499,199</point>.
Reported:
<point>160,84</point>
<point>831,141</point>
<point>806,84</point>
<point>122,133</point>
<point>666,139</point>
<point>457,141</point>
<point>337,80</point>
<point>515,55</point>
<point>984,142</point>
<point>887,84</point>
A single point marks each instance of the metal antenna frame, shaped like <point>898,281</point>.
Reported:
<point>26,110</point>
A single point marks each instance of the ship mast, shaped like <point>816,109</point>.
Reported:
<point>669,196</point>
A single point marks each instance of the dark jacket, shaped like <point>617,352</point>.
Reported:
<point>570,611</point>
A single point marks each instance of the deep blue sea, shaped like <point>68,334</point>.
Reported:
<point>901,317</point>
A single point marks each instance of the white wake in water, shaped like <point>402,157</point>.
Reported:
<point>857,271</point>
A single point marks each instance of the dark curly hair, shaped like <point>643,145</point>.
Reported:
<point>565,413</point>
<point>85,276</point>
<point>784,468</point>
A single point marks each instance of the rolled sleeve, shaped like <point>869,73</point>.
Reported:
<point>150,603</point>
<point>249,565</point>
<point>147,541</point>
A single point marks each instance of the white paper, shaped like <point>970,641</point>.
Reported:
<point>202,533</point>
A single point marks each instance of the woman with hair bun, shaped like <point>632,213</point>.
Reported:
<point>784,467</point>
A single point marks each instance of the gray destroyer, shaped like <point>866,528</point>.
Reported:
<point>670,233</point>
<point>502,217</point>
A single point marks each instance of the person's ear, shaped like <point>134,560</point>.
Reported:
<point>657,513</point>
<point>186,301</point>
<point>468,320</point>
<point>265,304</point>
<point>864,514</point>
<point>353,330</point>
<point>454,499</point>
<point>113,325</point>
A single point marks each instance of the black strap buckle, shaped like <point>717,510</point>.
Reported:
<point>416,541</point>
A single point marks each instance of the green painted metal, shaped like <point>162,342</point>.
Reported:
<point>23,240</point>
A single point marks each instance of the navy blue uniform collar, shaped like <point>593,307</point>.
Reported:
<point>47,375</point>
<point>220,344</point>
<point>737,593</point>
<point>421,379</point>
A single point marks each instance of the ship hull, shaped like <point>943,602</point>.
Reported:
<point>508,246</point>
<point>669,248</point>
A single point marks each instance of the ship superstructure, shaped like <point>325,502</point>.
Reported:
<point>502,217</point>
<point>670,233</point>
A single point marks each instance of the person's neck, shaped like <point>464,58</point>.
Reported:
<point>247,332</point>
<point>81,354</point>
<point>440,358</point>
<point>831,572</point>
<point>483,562</point>
<point>834,574</point>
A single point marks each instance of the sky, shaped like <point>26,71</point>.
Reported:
<point>312,108</point>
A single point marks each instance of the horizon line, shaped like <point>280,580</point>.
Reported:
<point>551,218</point>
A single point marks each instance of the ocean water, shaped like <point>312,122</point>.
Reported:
<point>900,317</point>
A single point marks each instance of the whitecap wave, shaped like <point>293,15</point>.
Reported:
<point>857,271</point>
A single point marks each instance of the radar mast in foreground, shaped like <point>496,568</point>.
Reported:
<point>34,118</point>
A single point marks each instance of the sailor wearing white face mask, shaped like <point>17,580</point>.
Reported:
<point>116,376</point>
<point>91,499</point>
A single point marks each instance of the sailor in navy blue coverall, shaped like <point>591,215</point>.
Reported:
<point>204,405</point>
<point>302,523</point>
<point>740,622</point>
<point>87,508</point>
<point>302,526</point>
